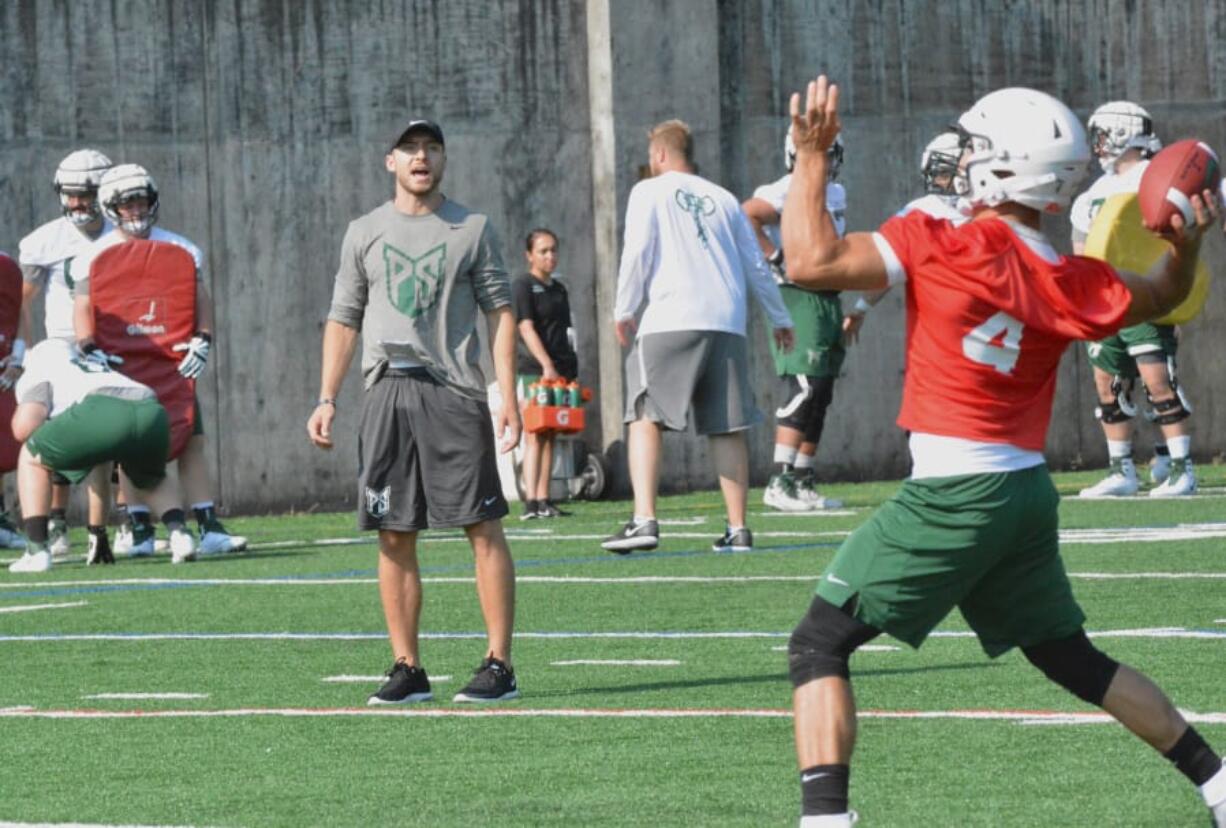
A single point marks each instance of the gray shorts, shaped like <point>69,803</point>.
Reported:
<point>425,457</point>
<point>667,373</point>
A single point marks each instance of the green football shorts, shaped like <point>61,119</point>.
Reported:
<point>985,543</point>
<point>102,429</point>
<point>1117,355</point>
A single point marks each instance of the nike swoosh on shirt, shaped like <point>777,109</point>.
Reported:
<point>834,579</point>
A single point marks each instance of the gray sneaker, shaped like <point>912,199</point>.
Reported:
<point>739,541</point>
<point>632,536</point>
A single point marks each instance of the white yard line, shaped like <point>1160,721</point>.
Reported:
<point>346,679</point>
<point>615,662</point>
<point>631,580</point>
<point>143,696</point>
<point>1025,717</point>
<point>7,824</point>
<point>863,648</point>
<point>816,513</point>
<point>33,607</point>
<point>637,635</point>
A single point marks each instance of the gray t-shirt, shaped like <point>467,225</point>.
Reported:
<point>413,286</point>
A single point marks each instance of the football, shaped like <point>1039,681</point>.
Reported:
<point>1174,175</point>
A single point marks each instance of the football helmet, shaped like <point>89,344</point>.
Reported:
<point>124,183</point>
<point>79,175</point>
<point>835,153</point>
<point>939,163</point>
<point>1118,126</point>
<point>1025,147</point>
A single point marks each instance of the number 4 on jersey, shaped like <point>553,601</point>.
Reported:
<point>997,342</point>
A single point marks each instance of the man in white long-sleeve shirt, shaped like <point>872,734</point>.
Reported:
<point>689,260</point>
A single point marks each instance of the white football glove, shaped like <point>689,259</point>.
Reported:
<point>197,355</point>
<point>775,260</point>
<point>93,354</point>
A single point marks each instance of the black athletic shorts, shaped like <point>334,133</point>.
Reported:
<point>425,457</point>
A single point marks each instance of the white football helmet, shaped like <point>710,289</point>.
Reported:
<point>1118,126</point>
<point>124,183</point>
<point>1025,147</point>
<point>939,163</point>
<point>835,152</point>
<point>79,175</point>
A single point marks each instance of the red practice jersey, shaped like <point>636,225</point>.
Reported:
<point>987,321</point>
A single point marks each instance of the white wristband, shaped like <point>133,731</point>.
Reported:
<point>18,354</point>
<point>861,306</point>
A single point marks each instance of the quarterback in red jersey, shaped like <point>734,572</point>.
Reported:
<point>991,306</point>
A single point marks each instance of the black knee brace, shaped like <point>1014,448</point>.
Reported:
<point>823,641</point>
<point>1169,412</point>
<point>1076,665</point>
<point>1111,413</point>
<point>815,414</point>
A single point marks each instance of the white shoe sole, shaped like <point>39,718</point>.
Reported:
<point>785,505</point>
<point>464,697</point>
<point>412,698</point>
<point>631,544</point>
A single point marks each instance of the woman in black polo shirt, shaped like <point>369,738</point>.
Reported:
<point>545,352</point>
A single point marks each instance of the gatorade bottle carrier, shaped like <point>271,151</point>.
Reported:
<point>556,415</point>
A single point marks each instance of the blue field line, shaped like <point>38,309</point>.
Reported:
<point>443,569</point>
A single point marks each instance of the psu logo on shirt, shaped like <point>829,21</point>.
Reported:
<point>378,503</point>
<point>413,282</point>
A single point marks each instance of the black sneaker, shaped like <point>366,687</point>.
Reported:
<point>493,681</point>
<point>532,510</point>
<point>632,536</point>
<point>739,541</point>
<point>548,509</point>
<point>404,685</point>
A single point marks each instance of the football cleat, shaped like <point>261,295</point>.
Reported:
<point>182,545</point>
<point>10,538</point>
<point>1121,481</point>
<point>122,545</point>
<point>142,541</point>
<point>1159,469</point>
<point>1180,483</point>
<point>57,539</point>
<point>37,561</point>
<point>782,493</point>
<point>806,490</point>
<point>214,542</point>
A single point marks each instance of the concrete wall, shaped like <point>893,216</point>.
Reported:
<point>265,124</point>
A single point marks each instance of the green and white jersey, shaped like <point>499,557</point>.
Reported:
<point>414,286</point>
<point>45,256</point>
<point>56,376</point>
<point>1087,205</point>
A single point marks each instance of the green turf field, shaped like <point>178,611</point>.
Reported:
<point>694,730</point>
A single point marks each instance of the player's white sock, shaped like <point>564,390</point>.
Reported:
<point>639,520</point>
<point>805,461</point>
<point>1119,449</point>
<point>1214,791</point>
<point>1179,446</point>
<point>785,454</point>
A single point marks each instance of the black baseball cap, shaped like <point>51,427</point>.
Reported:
<point>421,125</point>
